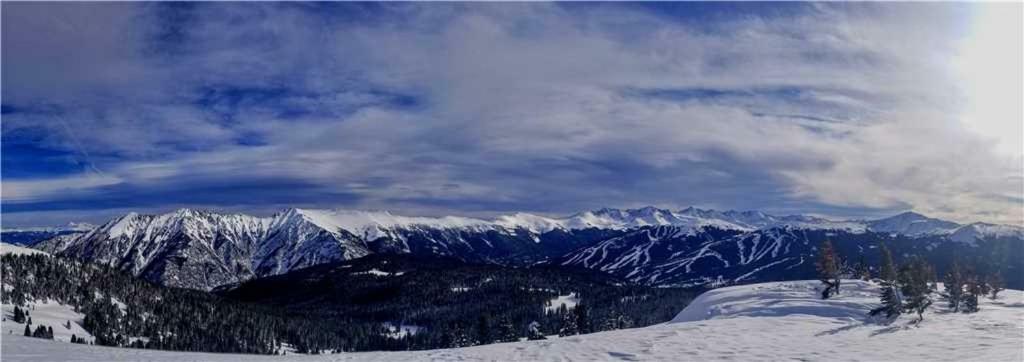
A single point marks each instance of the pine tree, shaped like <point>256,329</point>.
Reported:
<point>568,326</point>
<point>582,318</point>
<point>49,332</point>
<point>29,320</point>
<point>974,289</point>
<point>953,284</point>
<point>462,339</point>
<point>67,325</point>
<point>483,330</point>
<point>913,278</point>
<point>828,269</point>
<point>19,316</point>
<point>28,332</point>
<point>892,301</point>
<point>507,330</point>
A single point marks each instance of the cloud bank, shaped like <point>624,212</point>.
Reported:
<point>843,109</point>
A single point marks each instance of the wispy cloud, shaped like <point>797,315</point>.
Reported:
<point>842,109</point>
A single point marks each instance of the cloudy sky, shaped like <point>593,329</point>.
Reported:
<point>843,110</point>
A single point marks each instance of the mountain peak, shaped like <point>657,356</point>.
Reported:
<point>912,224</point>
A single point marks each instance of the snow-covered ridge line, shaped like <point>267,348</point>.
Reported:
<point>71,226</point>
<point>371,223</point>
<point>6,248</point>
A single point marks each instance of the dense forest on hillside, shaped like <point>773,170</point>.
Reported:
<point>452,303</point>
<point>352,306</point>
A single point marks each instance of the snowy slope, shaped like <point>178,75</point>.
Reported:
<point>6,248</point>
<point>50,314</point>
<point>970,233</point>
<point>760,322</point>
<point>912,224</point>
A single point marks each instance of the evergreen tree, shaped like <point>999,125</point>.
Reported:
<point>913,277</point>
<point>40,332</point>
<point>483,330</point>
<point>19,316</point>
<point>568,326</point>
<point>582,319</point>
<point>29,320</point>
<point>887,269</point>
<point>461,338</point>
<point>67,325</point>
<point>953,284</point>
<point>507,330</point>
<point>28,332</point>
<point>828,269</point>
<point>892,301</point>
<point>974,288</point>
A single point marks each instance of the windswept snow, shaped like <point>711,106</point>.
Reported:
<point>760,322</point>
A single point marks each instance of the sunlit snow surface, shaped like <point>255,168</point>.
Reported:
<point>6,248</point>
<point>770,321</point>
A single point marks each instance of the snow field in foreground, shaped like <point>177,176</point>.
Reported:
<point>759,322</point>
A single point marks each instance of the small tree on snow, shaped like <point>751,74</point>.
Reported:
<point>892,301</point>
<point>828,269</point>
<point>974,288</point>
<point>913,280</point>
<point>19,316</point>
<point>953,284</point>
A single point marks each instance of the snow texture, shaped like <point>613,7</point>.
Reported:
<point>759,322</point>
<point>49,314</point>
<point>6,248</point>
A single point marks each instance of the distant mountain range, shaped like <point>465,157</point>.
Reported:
<point>31,236</point>
<point>202,249</point>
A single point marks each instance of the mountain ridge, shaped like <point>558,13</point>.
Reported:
<point>203,249</point>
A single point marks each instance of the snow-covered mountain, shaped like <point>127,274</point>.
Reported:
<point>33,235</point>
<point>757,322</point>
<point>203,249</point>
<point>912,224</point>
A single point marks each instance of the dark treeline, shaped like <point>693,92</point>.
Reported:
<point>455,304</point>
<point>350,306</point>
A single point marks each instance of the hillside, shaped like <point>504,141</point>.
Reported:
<point>769,321</point>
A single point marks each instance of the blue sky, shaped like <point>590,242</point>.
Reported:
<point>845,110</point>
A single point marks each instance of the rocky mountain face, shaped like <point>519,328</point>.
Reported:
<point>202,249</point>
